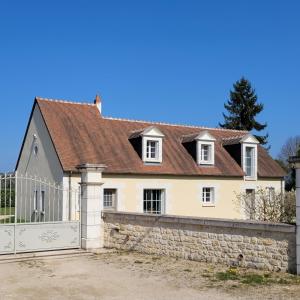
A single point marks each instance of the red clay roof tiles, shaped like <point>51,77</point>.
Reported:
<point>81,135</point>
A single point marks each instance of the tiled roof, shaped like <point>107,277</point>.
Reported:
<point>81,135</point>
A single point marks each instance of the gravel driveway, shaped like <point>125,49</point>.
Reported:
<point>124,276</point>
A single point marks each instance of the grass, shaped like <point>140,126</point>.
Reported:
<point>7,211</point>
<point>251,278</point>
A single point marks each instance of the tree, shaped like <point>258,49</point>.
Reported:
<point>243,109</point>
<point>268,205</point>
<point>290,148</point>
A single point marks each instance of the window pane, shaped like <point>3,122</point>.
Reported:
<point>205,152</point>
<point>152,149</point>
<point>249,166</point>
<point>152,201</point>
<point>109,198</point>
<point>208,195</point>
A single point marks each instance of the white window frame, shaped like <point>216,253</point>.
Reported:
<point>253,176</point>
<point>212,196</point>
<point>271,192</point>
<point>158,158</point>
<point>114,199</point>
<point>162,201</point>
<point>200,160</point>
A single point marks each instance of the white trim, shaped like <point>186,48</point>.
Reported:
<point>212,153</point>
<point>243,159</point>
<point>158,159</point>
<point>152,131</point>
<point>154,185</point>
<point>119,187</point>
<point>249,139</point>
<point>215,188</point>
<point>205,136</point>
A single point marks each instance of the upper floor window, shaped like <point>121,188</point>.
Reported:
<point>152,149</point>
<point>205,148</point>
<point>206,153</point>
<point>249,161</point>
<point>249,156</point>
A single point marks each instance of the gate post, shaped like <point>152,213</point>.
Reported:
<point>92,231</point>
<point>295,161</point>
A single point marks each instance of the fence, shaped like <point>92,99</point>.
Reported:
<point>27,199</point>
<point>253,244</point>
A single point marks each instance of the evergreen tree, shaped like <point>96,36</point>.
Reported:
<point>243,108</point>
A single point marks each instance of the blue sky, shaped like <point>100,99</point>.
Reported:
<point>172,61</point>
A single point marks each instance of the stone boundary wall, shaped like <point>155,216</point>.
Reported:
<point>252,244</point>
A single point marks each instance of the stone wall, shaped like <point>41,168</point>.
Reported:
<point>252,244</point>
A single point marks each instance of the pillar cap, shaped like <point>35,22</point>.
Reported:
<point>295,161</point>
<point>91,167</point>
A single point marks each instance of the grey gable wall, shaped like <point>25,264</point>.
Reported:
<point>45,164</point>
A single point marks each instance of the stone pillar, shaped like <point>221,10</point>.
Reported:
<point>295,161</point>
<point>92,229</point>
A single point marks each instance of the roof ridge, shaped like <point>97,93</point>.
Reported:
<point>175,125</point>
<point>63,101</point>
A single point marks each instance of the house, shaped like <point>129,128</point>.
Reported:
<point>150,167</point>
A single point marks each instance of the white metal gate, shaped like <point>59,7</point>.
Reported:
<point>36,215</point>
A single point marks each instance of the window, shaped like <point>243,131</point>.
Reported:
<point>271,191</point>
<point>153,201</point>
<point>249,161</point>
<point>42,203</point>
<point>39,201</point>
<point>250,203</point>
<point>109,198</point>
<point>35,201</point>
<point>208,196</point>
<point>152,149</point>
<point>206,154</point>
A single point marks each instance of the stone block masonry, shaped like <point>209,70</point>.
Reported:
<point>260,245</point>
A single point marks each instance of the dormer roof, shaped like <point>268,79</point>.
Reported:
<point>245,138</point>
<point>198,136</point>
<point>148,131</point>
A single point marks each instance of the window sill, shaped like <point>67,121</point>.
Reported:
<point>208,204</point>
<point>206,163</point>
<point>152,162</point>
<point>250,178</point>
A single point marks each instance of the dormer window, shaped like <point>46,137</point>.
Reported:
<point>205,148</point>
<point>152,150</point>
<point>206,153</point>
<point>249,161</point>
<point>201,146</point>
<point>244,150</point>
<point>149,144</point>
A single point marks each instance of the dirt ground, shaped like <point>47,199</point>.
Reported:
<point>122,275</point>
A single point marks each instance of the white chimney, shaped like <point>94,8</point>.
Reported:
<point>98,103</point>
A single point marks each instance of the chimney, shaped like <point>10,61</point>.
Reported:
<point>98,103</point>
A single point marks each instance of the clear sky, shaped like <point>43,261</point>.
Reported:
<point>172,61</point>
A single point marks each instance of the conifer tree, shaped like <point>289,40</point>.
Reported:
<point>242,110</point>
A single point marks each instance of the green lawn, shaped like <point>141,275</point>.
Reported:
<point>8,211</point>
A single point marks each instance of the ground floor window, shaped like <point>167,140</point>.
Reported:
<point>110,199</point>
<point>153,201</point>
<point>208,195</point>
<point>250,203</point>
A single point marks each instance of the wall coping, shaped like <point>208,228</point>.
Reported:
<point>228,223</point>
